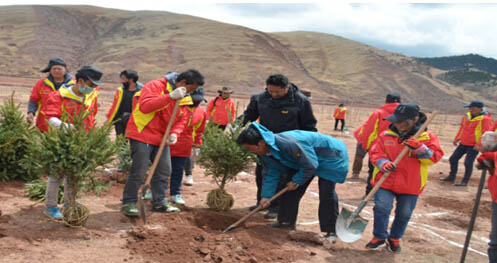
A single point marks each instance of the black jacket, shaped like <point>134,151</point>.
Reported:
<point>292,112</point>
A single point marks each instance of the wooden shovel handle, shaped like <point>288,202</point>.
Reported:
<point>163,143</point>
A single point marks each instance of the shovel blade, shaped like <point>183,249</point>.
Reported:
<point>141,204</point>
<point>350,228</point>
<point>228,229</point>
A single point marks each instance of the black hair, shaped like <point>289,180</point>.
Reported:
<point>249,136</point>
<point>277,80</point>
<point>191,76</point>
<point>81,76</point>
<point>130,74</point>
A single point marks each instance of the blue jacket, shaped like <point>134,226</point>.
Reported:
<point>309,153</point>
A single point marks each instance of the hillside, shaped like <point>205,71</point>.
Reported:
<point>334,69</point>
<point>461,62</point>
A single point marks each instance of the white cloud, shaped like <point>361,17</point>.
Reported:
<point>447,29</point>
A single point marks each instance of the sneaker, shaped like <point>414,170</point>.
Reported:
<point>130,210</point>
<point>148,195</point>
<point>53,213</point>
<point>462,183</point>
<point>282,225</point>
<point>376,243</point>
<point>167,208</point>
<point>393,245</point>
<point>331,237</point>
<point>188,180</point>
<point>177,199</point>
<point>271,214</point>
<point>448,179</point>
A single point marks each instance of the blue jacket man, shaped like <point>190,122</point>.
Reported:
<point>307,154</point>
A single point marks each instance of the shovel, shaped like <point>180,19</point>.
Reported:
<point>484,166</point>
<point>259,208</point>
<point>350,225</point>
<point>146,185</point>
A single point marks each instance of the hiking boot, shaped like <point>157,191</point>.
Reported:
<point>177,199</point>
<point>53,213</point>
<point>271,215</point>
<point>331,237</point>
<point>188,180</point>
<point>130,210</point>
<point>167,208</point>
<point>148,195</point>
<point>462,183</point>
<point>376,244</point>
<point>282,225</point>
<point>448,179</point>
<point>393,245</point>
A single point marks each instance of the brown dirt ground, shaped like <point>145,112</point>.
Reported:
<point>436,232</point>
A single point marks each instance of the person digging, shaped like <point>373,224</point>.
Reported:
<point>406,180</point>
<point>306,154</point>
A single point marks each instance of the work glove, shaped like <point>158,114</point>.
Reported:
<point>486,156</point>
<point>413,143</point>
<point>178,93</point>
<point>387,166</point>
<point>173,138</point>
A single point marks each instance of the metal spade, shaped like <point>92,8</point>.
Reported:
<point>350,225</point>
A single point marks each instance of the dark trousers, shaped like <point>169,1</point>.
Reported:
<point>468,161</point>
<point>141,155</point>
<point>369,186</point>
<point>336,123</point>
<point>492,245</point>
<point>177,168</point>
<point>259,179</point>
<point>120,125</point>
<point>360,153</point>
<point>328,204</point>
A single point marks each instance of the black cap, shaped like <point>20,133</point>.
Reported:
<point>341,105</point>
<point>404,111</point>
<point>198,94</point>
<point>91,73</point>
<point>393,97</point>
<point>475,103</point>
<point>53,62</point>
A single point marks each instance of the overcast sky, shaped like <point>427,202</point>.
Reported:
<point>425,30</point>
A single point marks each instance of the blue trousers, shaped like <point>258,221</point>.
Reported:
<point>468,161</point>
<point>383,206</point>
<point>178,165</point>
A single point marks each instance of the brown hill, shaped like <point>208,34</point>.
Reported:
<point>153,43</point>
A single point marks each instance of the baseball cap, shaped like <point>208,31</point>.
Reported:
<point>52,62</point>
<point>475,103</point>
<point>393,97</point>
<point>404,111</point>
<point>92,73</point>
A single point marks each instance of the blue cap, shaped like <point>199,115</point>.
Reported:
<point>475,103</point>
<point>404,111</point>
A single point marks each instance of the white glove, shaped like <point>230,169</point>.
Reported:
<point>173,138</point>
<point>178,93</point>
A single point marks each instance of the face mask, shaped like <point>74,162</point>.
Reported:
<point>86,89</point>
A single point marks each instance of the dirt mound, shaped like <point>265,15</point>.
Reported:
<point>196,235</point>
<point>461,206</point>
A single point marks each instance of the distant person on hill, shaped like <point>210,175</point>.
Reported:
<point>57,76</point>
<point>221,109</point>
<point>407,179</point>
<point>375,126</point>
<point>281,107</point>
<point>473,126</point>
<point>68,99</point>
<point>122,105</point>
<point>339,116</point>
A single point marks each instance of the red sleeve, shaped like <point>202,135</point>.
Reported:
<point>458,135</point>
<point>368,128</point>
<point>35,92</point>
<point>434,146</point>
<point>113,107</point>
<point>377,151</point>
<point>210,106</point>
<point>53,107</point>
<point>233,113</point>
<point>151,99</point>
<point>200,131</point>
<point>336,113</point>
<point>180,121</point>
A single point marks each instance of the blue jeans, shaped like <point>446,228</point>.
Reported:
<point>189,165</point>
<point>141,155</point>
<point>468,161</point>
<point>178,165</point>
<point>492,245</point>
<point>383,206</point>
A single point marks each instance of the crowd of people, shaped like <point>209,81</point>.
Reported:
<point>282,134</point>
